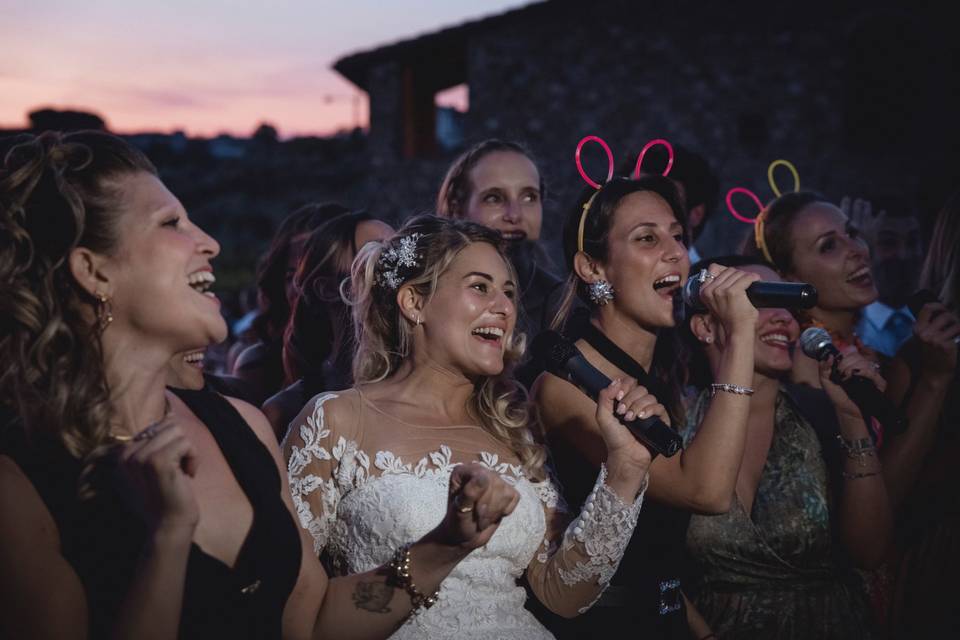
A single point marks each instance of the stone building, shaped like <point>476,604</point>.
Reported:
<point>861,99</point>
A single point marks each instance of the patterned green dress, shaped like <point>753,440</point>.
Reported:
<point>777,572</point>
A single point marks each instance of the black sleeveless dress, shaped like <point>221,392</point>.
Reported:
<point>103,540</point>
<point>644,597</point>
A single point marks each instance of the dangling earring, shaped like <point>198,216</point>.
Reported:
<point>418,320</point>
<point>601,292</point>
<point>104,312</point>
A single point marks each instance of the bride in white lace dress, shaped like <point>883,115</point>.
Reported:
<point>369,467</point>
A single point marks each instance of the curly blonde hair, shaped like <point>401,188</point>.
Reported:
<point>499,404</point>
<point>57,192</point>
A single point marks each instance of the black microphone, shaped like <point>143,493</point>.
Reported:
<point>786,295</point>
<point>817,344</point>
<point>561,358</point>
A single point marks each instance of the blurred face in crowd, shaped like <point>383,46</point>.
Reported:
<point>830,254</point>
<point>646,259</point>
<point>896,257</point>
<point>159,272</point>
<point>469,320</point>
<point>186,370</point>
<point>505,195</point>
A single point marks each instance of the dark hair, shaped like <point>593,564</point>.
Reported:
<point>320,324</point>
<point>455,190</point>
<point>57,192</point>
<point>596,229</point>
<point>271,272</point>
<point>596,236</point>
<point>778,220</point>
<point>695,361</point>
<point>700,183</point>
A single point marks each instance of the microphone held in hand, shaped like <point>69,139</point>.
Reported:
<point>817,344</point>
<point>564,360</point>
<point>762,295</point>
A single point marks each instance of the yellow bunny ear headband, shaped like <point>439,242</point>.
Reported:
<point>610,165</point>
<point>758,222</point>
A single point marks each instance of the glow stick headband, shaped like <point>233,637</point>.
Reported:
<point>758,221</point>
<point>610,166</point>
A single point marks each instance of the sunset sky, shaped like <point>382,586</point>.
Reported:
<point>204,66</point>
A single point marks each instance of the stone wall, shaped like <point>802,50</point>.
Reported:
<point>860,100</point>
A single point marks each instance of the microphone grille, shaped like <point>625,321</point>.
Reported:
<point>814,339</point>
<point>553,350</point>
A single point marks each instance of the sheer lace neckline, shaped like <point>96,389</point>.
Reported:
<point>417,425</point>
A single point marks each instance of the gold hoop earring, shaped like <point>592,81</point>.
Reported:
<point>104,312</point>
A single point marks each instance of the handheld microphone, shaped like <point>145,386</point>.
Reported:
<point>564,360</point>
<point>786,295</point>
<point>817,344</point>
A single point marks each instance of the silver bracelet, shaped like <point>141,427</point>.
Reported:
<point>730,388</point>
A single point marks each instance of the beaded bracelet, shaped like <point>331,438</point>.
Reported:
<point>398,575</point>
<point>730,388</point>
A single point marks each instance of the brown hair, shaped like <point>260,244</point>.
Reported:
<point>383,337</point>
<point>777,223</point>
<point>57,192</point>
<point>456,188</point>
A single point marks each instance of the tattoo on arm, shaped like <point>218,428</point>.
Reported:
<point>373,596</point>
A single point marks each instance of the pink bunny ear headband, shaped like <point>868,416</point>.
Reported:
<point>610,166</point>
<point>758,221</point>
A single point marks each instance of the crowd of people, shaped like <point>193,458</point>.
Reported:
<point>388,458</point>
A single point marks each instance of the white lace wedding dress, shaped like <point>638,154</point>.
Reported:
<point>360,500</point>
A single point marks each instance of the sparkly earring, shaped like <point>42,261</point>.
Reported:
<point>418,320</point>
<point>601,292</point>
<point>104,312</point>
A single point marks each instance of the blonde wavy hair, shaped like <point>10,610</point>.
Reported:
<point>57,192</point>
<point>384,338</point>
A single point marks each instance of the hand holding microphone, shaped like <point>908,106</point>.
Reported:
<point>862,390</point>
<point>786,295</point>
<point>562,358</point>
<point>724,292</point>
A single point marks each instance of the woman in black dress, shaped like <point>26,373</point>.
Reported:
<point>127,510</point>
<point>624,245</point>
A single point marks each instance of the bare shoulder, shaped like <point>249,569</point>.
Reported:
<point>256,419</point>
<point>23,510</point>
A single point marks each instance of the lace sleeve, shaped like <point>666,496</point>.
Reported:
<point>312,470</point>
<point>572,570</point>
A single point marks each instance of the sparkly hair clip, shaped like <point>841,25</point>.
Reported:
<point>610,164</point>
<point>758,221</point>
<point>396,262</point>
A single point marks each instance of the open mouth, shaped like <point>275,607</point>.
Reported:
<point>201,281</point>
<point>667,285</point>
<point>492,336</point>
<point>513,235</point>
<point>778,340</point>
<point>194,359</point>
<point>861,277</point>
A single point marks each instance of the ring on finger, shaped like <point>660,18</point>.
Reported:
<point>147,434</point>
<point>465,509</point>
<point>705,275</point>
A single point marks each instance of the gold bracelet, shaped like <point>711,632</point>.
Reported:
<point>398,575</point>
